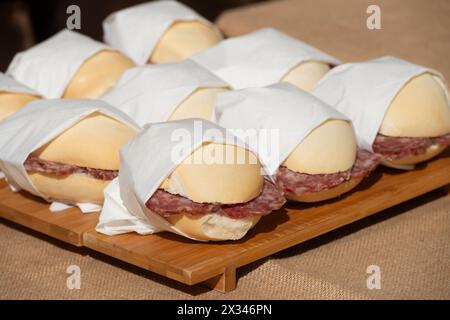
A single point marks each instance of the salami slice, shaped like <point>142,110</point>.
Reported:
<point>393,148</point>
<point>297,184</point>
<point>34,163</point>
<point>166,204</point>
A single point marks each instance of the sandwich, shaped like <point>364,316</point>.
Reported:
<point>69,65</point>
<point>264,57</point>
<point>13,96</point>
<point>325,164</point>
<point>216,201</point>
<point>159,32</point>
<point>315,157</point>
<point>67,150</point>
<point>214,192</point>
<point>416,126</point>
<point>403,114</point>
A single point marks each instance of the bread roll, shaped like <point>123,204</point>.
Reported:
<point>97,75</point>
<point>214,174</point>
<point>306,75</point>
<point>93,142</point>
<point>198,105</point>
<point>420,109</point>
<point>11,102</point>
<point>72,189</point>
<point>329,148</point>
<point>183,39</point>
<point>213,227</point>
<point>409,161</point>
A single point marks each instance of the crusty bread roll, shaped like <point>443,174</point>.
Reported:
<point>97,75</point>
<point>201,180</point>
<point>213,227</point>
<point>409,161</point>
<point>198,105</point>
<point>183,39</point>
<point>73,188</point>
<point>328,193</point>
<point>11,102</point>
<point>420,109</point>
<point>329,148</point>
<point>211,174</point>
<point>93,142</point>
<point>306,75</point>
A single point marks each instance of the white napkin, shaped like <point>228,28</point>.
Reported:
<point>152,93</point>
<point>8,84</point>
<point>259,58</point>
<point>363,91</point>
<point>136,30</point>
<point>49,66</point>
<point>38,123</point>
<point>146,161</point>
<point>272,120</point>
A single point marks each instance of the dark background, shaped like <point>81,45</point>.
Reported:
<point>26,22</point>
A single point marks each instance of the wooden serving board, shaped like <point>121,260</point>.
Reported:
<point>215,264</point>
<point>32,212</point>
<point>192,262</point>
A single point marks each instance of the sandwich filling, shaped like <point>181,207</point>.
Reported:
<point>393,148</point>
<point>34,163</point>
<point>297,184</point>
<point>166,204</point>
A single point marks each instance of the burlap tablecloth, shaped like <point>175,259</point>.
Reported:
<point>410,243</point>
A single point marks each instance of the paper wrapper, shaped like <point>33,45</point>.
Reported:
<point>8,84</point>
<point>49,66</point>
<point>151,93</point>
<point>38,123</point>
<point>124,209</point>
<point>286,113</point>
<point>363,91</point>
<point>258,59</point>
<point>137,30</point>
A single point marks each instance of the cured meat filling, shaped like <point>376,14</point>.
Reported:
<point>34,163</point>
<point>296,184</point>
<point>166,204</point>
<point>393,148</point>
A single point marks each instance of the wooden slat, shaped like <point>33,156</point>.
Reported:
<point>33,213</point>
<point>191,262</point>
